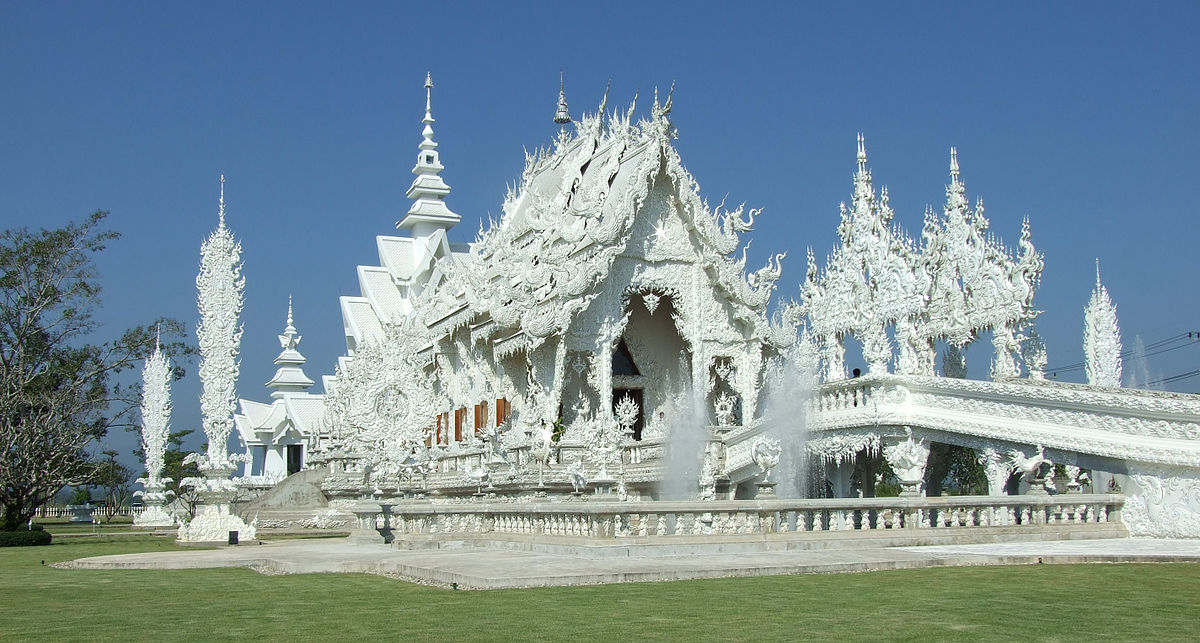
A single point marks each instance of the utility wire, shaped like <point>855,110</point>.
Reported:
<point>1155,348</point>
<point>1175,378</point>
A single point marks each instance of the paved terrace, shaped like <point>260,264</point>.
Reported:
<point>516,562</point>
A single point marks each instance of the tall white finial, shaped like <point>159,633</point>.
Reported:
<point>862,154</point>
<point>1101,338</point>
<point>562,115</point>
<point>428,189</point>
<point>427,133</point>
<point>290,377</point>
<point>221,204</point>
<point>954,166</point>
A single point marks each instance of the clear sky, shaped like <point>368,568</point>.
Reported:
<point>1081,115</point>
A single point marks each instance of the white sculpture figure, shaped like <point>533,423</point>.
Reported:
<point>766,452</point>
<point>1033,351</point>
<point>627,414</point>
<point>576,472</point>
<point>156,422</point>
<point>219,335</point>
<point>477,475</point>
<point>1035,469</point>
<point>908,460</point>
<point>417,463</point>
<point>603,435</point>
<point>996,468</point>
<point>723,409</point>
<point>708,478</point>
<point>542,448</point>
<point>1101,338</point>
<point>1076,478</point>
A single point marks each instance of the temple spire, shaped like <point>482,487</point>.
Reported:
<point>954,166</point>
<point>428,211</point>
<point>562,115</point>
<point>862,154</point>
<point>290,377</point>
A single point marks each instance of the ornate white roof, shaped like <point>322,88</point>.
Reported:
<point>572,216</point>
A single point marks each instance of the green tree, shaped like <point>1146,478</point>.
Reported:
<point>174,467</point>
<point>59,393</point>
<point>115,480</point>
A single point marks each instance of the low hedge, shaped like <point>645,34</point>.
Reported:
<point>24,538</point>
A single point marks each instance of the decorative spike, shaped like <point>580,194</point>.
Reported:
<point>427,132</point>
<point>954,166</point>
<point>862,154</point>
<point>562,116</point>
<point>666,109</point>
<point>604,101</point>
<point>428,90</point>
<point>221,205</point>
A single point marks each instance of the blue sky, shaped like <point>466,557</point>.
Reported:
<point>1082,116</point>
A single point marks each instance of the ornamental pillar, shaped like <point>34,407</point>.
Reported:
<point>997,469</point>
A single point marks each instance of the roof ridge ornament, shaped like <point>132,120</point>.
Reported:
<point>562,115</point>
<point>428,189</point>
<point>221,205</point>
<point>604,100</point>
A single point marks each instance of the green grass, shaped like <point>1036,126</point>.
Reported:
<point>1036,602</point>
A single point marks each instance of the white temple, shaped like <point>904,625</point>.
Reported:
<point>606,336</point>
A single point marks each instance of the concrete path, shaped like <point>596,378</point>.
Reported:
<point>487,568</point>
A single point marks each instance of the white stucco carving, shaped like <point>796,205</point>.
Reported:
<point>219,334</point>
<point>1101,338</point>
<point>156,427</point>
<point>607,316</point>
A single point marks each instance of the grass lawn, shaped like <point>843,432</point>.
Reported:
<point>1037,602</point>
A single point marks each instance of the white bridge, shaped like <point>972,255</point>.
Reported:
<point>1147,442</point>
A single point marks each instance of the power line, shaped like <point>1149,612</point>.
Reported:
<point>1175,378</point>
<point>1149,350</point>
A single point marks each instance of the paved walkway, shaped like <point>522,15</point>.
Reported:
<point>486,568</point>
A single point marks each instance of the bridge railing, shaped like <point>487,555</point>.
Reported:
<point>665,518</point>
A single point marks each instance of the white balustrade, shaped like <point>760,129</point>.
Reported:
<point>655,519</point>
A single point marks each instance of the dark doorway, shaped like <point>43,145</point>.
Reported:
<point>295,458</point>
<point>622,361</point>
<point>635,393</point>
